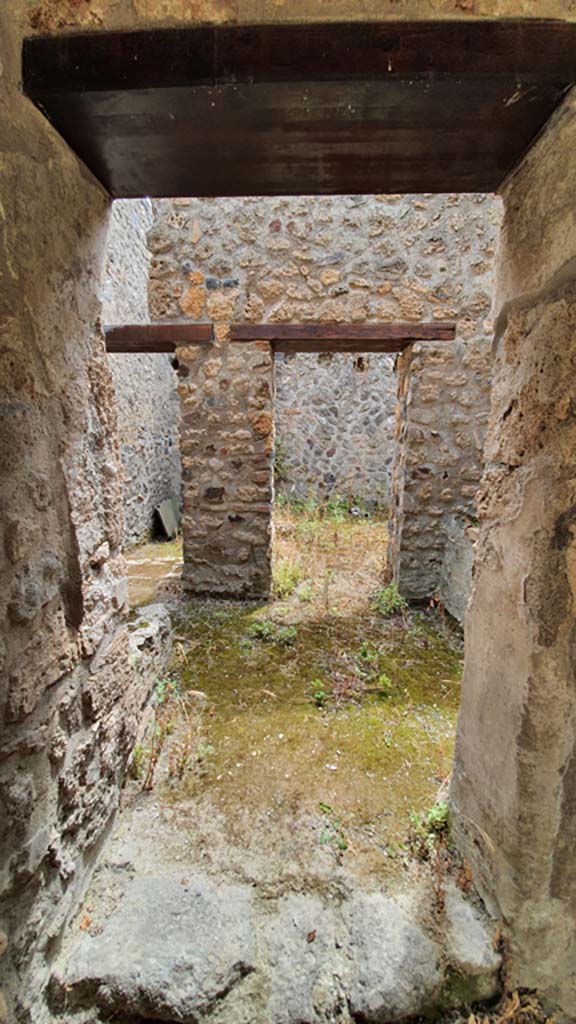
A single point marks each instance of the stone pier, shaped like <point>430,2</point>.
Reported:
<point>514,785</point>
<point>227,450</point>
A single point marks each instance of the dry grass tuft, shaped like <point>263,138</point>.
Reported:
<point>339,558</point>
<point>516,1007</point>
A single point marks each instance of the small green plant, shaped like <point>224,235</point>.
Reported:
<point>286,575</point>
<point>166,689</point>
<point>428,830</point>
<point>269,632</point>
<point>437,818</point>
<point>367,652</point>
<point>336,509</point>
<point>204,750</point>
<point>305,593</point>
<point>318,693</point>
<point>384,685</point>
<point>388,602</point>
<point>172,715</point>
<point>202,755</point>
<point>333,833</point>
<point>432,822</point>
<point>305,508</point>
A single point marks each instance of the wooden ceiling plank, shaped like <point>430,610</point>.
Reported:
<point>323,109</point>
<point>536,49</point>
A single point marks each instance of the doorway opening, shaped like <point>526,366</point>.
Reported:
<point>332,693</point>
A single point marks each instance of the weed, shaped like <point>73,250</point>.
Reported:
<point>269,632</point>
<point>204,751</point>
<point>305,508</point>
<point>333,833</point>
<point>367,652</point>
<point>286,575</point>
<point>171,712</point>
<point>158,734</point>
<point>384,685</point>
<point>437,818</point>
<point>388,602</point>
<point>337,509</point>
<point>318,694</point>
<point>305,592</point>
<point>165,690</point>
<point>182,755</point>
<point>428,841</point>
<point>428,830</point>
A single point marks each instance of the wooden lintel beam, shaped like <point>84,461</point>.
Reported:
<point>355,338</point>
<point>156,337</point>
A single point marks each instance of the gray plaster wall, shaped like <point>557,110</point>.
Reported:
<point>144,384</point>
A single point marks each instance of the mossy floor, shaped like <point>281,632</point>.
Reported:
<point>311,722</point>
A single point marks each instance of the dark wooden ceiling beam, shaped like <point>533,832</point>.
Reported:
<point>542,50</point>
<point>156,337</point>
<point>303,109</point>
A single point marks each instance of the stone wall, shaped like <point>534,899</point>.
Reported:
<point>144,384</point>
<point>514,784</point>
<point>447,392</point>
<point>334,421</point>
<point>59,15</point>
<point>353,259</point>
<point>69,701</point>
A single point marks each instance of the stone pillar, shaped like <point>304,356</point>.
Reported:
<point>438,458</point>
<point>227,451</point>
<point>513,791</point>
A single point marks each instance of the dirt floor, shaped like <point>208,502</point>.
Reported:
<point>151,566</point>
<point>310,733</point>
